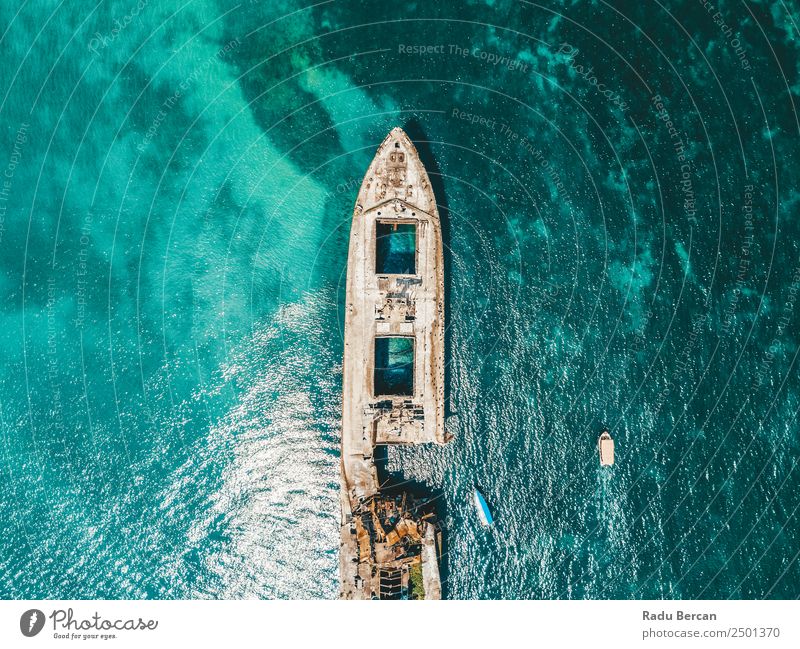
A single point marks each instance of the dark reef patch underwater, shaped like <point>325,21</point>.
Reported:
<point>621,181</point>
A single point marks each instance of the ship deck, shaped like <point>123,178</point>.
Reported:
<point>393,384</point>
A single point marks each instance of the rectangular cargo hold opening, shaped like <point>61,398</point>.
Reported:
<point>395,248</point>
<point>394,366</point>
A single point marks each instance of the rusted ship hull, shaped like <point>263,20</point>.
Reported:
<point>393,383</point>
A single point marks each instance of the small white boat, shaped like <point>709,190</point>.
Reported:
<point>483,509</point>
<point>606,446</point>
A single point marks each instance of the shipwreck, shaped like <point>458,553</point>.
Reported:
<point>393,376</point>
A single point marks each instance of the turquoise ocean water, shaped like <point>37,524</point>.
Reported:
<point>618,182</point>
